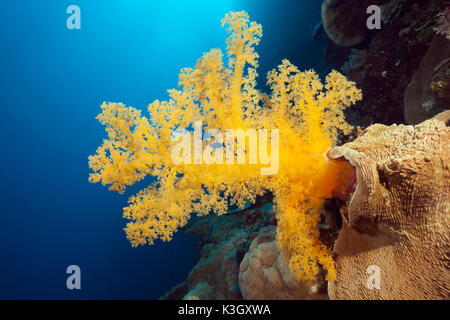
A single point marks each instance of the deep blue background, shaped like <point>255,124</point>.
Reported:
<point>53,81</point>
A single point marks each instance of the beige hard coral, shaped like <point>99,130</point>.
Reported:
<point>398,217</point>
<point>264,273</point>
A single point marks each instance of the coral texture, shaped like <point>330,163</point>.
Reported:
<point>425,97</point>
<point>218,266</point>
<point>307,113</point>
<point>344,21</point>
<point>355,67</point>
<point>392,56</point>
<point>177,292</point>
<point>399,215</point>
<point>240,259</point>
<point>264,273</point>
<point>441,84</point>
<point>224,240</point>
<point>202,291</point>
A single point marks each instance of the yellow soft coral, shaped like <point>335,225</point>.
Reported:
<point>307,114</point>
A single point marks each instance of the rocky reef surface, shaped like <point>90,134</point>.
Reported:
<point>239,259</point>
<point>398,218</point>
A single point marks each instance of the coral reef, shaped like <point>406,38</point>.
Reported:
<point>176,293</point>
<point>218,266</point>
<point>427,93</point>
<point>307,113</point>
<point>391,10</point>
<point>239,259</point>
<point>440,85</point>
<point>203,291</point>
<point>264,273</point>
<point>398,217</point>
<point>355,67</point>
<point>442,26</point>
<point>344,21</point>
<point>224,241</point>
<point>318,32</point>
<point>393,54</point>
<point>390,185</point>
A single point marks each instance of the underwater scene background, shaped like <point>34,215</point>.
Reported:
<point>53,81</point>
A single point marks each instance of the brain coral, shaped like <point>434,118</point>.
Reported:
<point>398,217</point>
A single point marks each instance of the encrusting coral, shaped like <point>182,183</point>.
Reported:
<point>399,215</point>
<point>307,113</point>
<point>425,95</point>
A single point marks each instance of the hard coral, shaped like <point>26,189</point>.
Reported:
<point>307,113</point>
<point>264,273</point>
<point>202,291</point>
<point>345,21</point>
<point>355,68</point>
<point>394,52</point>
<point>224,241</point>
<point>218,267</point>
<point>424,97</point>
<point>442,26</point>
<point>391,10</point>
<point>399,215</point>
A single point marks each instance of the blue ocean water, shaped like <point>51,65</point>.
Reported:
<point>53,81</point>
